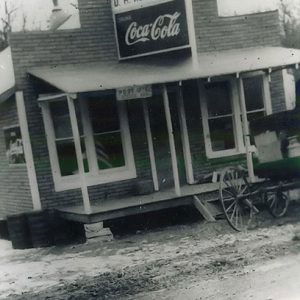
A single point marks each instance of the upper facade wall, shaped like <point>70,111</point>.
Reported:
<point>224,33</point>
<point>95,40</point>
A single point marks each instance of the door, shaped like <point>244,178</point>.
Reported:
<point>161,141</point>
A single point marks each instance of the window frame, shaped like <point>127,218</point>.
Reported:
<point>236,114</point>
<point>95,176</point>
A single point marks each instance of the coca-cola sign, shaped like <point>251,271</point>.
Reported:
<point>152,29</point>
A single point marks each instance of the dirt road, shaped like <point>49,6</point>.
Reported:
<point>196,261</point>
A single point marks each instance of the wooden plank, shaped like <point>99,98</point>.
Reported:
<point>185,138</point>
<point>78,149</point>
<point>203,209</point>
<point>171,141</point>
<point>34,189</point>
<point>246,131</point>
<point>150,146</point>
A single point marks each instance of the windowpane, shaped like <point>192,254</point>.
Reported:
<point>221,134</point>
<point>109,150</point>
<point>67,157</point>
<point>218,99</point>
<point>104,115</point>
<point>61,119</point>
<point>253,93</point>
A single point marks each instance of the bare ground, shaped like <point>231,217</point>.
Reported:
<point>149,263</point>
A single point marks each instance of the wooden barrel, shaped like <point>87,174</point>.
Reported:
<point>39,227</point>
<point>18,231</point>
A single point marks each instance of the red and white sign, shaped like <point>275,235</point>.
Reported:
<point>146,27</point>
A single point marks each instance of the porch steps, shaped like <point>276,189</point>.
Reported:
<point>208,209</point>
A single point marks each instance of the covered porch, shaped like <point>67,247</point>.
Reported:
<point>166,75</point>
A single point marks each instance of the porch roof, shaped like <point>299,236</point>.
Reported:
<point>77,78</point>
<point>7,78</point>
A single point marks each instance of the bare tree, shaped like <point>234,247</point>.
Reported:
<point>290,26</point>
<point>6,22</point>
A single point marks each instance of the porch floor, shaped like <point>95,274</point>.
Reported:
<point>115,208</point>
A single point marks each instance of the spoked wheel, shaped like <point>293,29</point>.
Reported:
<point>234,193</point>
<point>277,202</point>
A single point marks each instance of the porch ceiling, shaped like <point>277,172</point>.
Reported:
<point>110,75</point>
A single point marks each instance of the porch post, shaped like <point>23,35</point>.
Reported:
<point>76,135</point>
<point>246,132</point>
<point>150,146</point>
<point>34,188</point>
<point>171,140</point>
<point>185,138</point>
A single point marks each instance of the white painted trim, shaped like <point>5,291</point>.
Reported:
<point>79,156</point>
<point>246,131</point>
<point>150,146</point>
<point>88,136</point>
<point>185,138</point>
<point>237,113</point>
<point>94,176</point>
<point>171,140</point>
<point>34,189</point>
<point>267,95</point>
<point>206,132</point>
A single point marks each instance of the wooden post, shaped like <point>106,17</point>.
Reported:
<point>171,140</point>
<point>76,135</point>
<point>35,194</point>
<point>246,131</point>
<point>185,138</point>
<point>150,146</point>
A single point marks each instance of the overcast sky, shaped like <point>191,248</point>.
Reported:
<point>37,12</point>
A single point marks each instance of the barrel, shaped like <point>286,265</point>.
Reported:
<point>39,227</point>
<point>18,231</point>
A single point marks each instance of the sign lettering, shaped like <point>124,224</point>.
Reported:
<point>151,29</point>
<point>134,92</point>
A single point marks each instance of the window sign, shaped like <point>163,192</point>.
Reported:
<point>142,29</point>
<point>14,145</point>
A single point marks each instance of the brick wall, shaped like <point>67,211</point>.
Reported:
<point>95,41</point>
<point>15,193</point>
<point>215,33</point>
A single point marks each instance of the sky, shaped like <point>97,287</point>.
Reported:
<point>37,12</point>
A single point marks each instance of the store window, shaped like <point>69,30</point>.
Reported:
<point>104,116</point>
<point>221,113</point>
<point>64,138</point>
<point>105,141</point>
<point>14,145</point>
<point>220,116</point>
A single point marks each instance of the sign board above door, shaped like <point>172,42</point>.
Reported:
<point>134,92</point>
<point>149,26</point>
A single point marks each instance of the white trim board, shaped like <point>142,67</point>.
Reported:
<point>36,201</point>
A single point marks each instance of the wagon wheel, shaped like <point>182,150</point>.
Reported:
<point>277,202</point>
<point>234,192</point>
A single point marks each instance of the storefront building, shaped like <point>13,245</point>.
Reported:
<point>144,98</point>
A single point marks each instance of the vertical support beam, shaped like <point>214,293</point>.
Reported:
<point>185,138</point>
<point>76,135</point>
<point>36,200</point>
<point>150,146</point>
<point>246,132</point>
<point>171,140</point>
